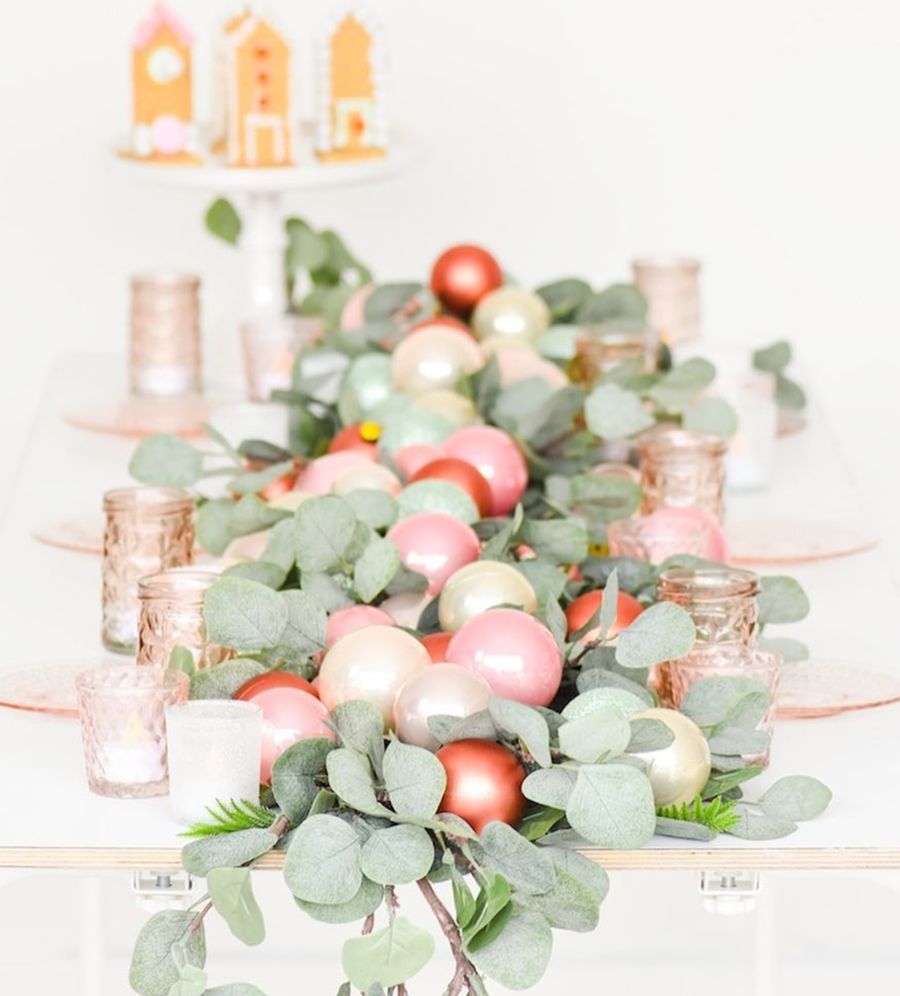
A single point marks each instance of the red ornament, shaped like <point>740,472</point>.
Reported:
<point>291,711</point>
<point>463,275</point>
<point>464,475</point>
<point>579,613</point>
<point>484,782</point>
<point>447,320</point>
<point>436,645</point>
<point>361,436</point>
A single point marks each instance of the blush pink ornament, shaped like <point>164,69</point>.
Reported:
<point>436,545</point>
<point>440,690</point>
<point>520,364</point>
<point>371,664</point>
<point>368,476</point>
<point>498,458</point>
<point>352,618</point>
<point>318,477</point>
<point>414,457</point>
<point>514,653</point>
<point>290,712</point>
<point>666,532</point>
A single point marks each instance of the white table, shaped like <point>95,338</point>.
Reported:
<point>51,610</point>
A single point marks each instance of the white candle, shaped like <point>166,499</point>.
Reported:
<point>133,764</point>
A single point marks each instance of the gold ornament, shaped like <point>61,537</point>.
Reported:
<point>434,359</point>
<point>512,313</point>
<point>477,587</point>
<point>678,772</point>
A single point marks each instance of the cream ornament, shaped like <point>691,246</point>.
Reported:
<point>679,772</point>
<point>367,476</point>
<point>455,408</point>
<point>512,313</point>
<point>434,359</point>
<point>440,690</point>
<point>484,585</point>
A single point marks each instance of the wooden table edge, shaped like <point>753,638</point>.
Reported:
<point>650,859</point>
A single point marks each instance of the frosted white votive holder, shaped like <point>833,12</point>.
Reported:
<point>214,754</point>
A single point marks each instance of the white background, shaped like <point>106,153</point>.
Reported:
<point>567,137</point>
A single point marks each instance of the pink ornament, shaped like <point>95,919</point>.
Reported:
<point>406,608</point>
<point>498,458</point>
<point>520,364</point>
<point>352,618</point>
<point>436,545</point>
<point>411,458</point>
<point>514,653</point>
<point>318,477</point>
<point>354,314</point>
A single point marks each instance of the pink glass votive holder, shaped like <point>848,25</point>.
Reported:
<point>728,661</point>
<point>665,533</point>
<point>123,728</point>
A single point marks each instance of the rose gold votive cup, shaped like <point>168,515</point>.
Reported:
<point>601,348</point>
<point>165,352</point>
<point>123,728</point>
<point>671,285</point>
<point>729,661</point>
<point>148,530</point>
<point>644,539</point>
<point>171,615</point>
<point>682,469</point>
<point>271,345</point>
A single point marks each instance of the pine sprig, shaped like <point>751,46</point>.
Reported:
<point>717,815</point>
<point>232,816</point>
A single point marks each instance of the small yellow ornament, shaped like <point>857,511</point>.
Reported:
<point>678,772</point>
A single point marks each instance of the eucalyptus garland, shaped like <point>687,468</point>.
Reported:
<point>359,818</point>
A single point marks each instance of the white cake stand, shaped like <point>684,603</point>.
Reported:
<point>263,238</point>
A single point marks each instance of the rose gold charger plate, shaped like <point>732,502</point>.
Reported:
<point>46,686</point>
<point>139,417</point>
<point>794,541</point>
<point>82,533</point>
<point>813,689</point>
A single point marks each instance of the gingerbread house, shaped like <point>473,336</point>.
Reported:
<point>351,119</point>
<point>255,75</point>
<point>163,123</point>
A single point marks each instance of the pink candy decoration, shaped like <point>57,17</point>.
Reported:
<point>514,653</point>
<point>169,135</point>
<point>414,457</point>
<point>498,458</point>
<point>317,477</point>
<point>352,618</point>
<point>436,545</point>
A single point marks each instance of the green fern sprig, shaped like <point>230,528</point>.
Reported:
<point>232,816</point>
<point>717,815</point>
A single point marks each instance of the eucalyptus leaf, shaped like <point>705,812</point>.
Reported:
<point>614,413</point>
<point>279,547</point>
<point>774,358</point>
<point>781,600</point>
<point>388,956</point>
<point>609,605</point>
<point>518,957</point>
<point>734,740</point>
<point>569,905</point>
<point>359,723</point>
<point>616,302</point>
<point>582,868</point>
<point>293,772</point>
<point>675,389</point>
<point>648,735</point>
<point>719,702</point>
<point>548,581</point>
<point>601,698</point>
<point>711,415</point>
<point>596,677</point>
<point>612,806</point>
<point>153,969</point>
<point>231,893</point>
<point>223,680</point>
<point>223,221</point>
<point>683,829</point>
<point>226,850</point>
<point>560,541</point>
<point>326,590</point>
<point>271,575</point>
<point>599,735</point>
<point>791,650</point>
<point>235,989</point>
<point>415,780</point>
<point>525,866</point>
<point>753,825</point>
<point>660,633</point>
<point>477,726</point>
<point>350,778</point>
<point>213,525</point>
<point>397,855</point>
<point>387,299</point>
<point>376,568</point>
<point>367,899</point>
<point>563,297</point>
<point>376,508</point>
<point>538,822</point>
<point>796,798</point>
<point>322,863</point>
<point>526,724</point>
<point>244,615</point>
<point>323,530</point>
<point>181,659</point>
<point>720,784</point>
<point>191,982</point>
<point>252,515</point>
<point>166,460</point>
<point>551,786</point>
<point>305,630</point>
<point>789,394</point>
<point>254,481</point>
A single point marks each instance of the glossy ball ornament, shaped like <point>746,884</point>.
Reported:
<point>579,614</point>
<point>458,410</point>
<point>410,459</point>
<point>436,545</point>
<point>477,587</point>
<point>433,359</point>
<point>368,476</point>
<point>371,664</point>
<point>447,320</point>
<point>319,475</point>
<point>354,314</point>
<point>511,312</point>
<point>436,644</point>
<point>484,783</point>
<point>291,711</point>
<point>678,772</point>
<point>350,619</point>
<point>440,690</point>
<point>499,460</point>
<point>406,608</point>
<point>366,385</point>
<point>514,653</point>
<point>520,364</point>
<point>362,436</point>
<point>463,275</point>
<point>461,473</point>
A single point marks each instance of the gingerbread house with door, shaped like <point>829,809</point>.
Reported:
<point>351,70</point>
<point>255,77</point>
<point>163,121</point>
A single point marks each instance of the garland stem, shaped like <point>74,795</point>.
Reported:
<point>464,968</point>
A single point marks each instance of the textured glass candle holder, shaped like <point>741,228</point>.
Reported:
<point>214,754</point>
<point>147,530</point>
<point>671,285</point>
<point>646,538</point>
<point>720,600</point>
<point>271,345</point>
<point>601,348</point>
<point>682,469</point>
<point>750,460</point>
<point>123,727</point>
<point>165,334</point>
<point>729,661</point>
<point>171,615</point>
